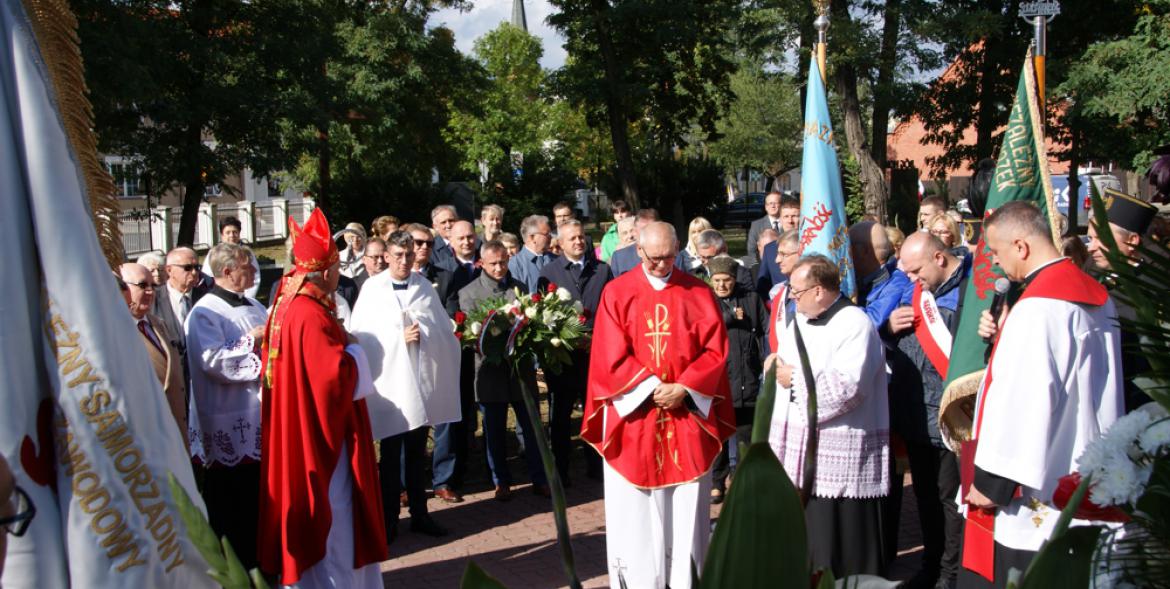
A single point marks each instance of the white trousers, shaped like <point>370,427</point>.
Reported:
<point>652,535</point>
<point>336,571</point>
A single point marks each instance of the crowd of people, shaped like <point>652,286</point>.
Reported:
<point>283,403</point>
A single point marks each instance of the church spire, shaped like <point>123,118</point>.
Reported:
<point>518,18</point>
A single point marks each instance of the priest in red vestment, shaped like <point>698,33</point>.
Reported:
<point>321,519</point>
<point>658,410</point>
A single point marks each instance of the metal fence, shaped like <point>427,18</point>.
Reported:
<point>266,215</point>
<point>135,227</point>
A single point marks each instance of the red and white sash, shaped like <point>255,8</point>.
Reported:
<point>931,330</point>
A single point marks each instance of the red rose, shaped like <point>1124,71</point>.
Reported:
<point>536,297</point>
<point>460,317</point>
<point>581,319</point>
<point>552,287</point>
<point>1065,488</point>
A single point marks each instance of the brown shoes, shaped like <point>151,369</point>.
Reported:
<point>448,496</point>
<point>503,493</point>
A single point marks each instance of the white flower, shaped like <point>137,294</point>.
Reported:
<point>530,312</point>
<point>563,293</point>
<point>578,307</point>
<point>475,327</point>
<point>1156,437</point>
<point>556,342</point>
<point>548,316</point>
<point>1121,481</point>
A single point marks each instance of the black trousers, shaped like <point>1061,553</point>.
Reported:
<point>743,434</point>
<point>232,496</point>
<point>413,446</point>
<point>935,472</point>
<point>845,535</point>
<point>564,391</point>
<point>1005,560</point>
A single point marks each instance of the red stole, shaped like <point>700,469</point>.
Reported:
<point>1063,281</point>
<point>676,334</point>
<point>308,415</point>
<point>931,330</point>
<point>777,318</point>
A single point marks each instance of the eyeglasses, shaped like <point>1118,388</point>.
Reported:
<point>23,512</point>
<point>142,285</point>
<point>185,267</point>
<point>375,258</point>
<point>786,254</point>
<point>424,242</point>
<point>796,294</point>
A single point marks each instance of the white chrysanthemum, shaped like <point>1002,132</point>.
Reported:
<point>556,342</point>
<point>475,327</point>
<point>1121,481</point>
<point>1156,437</point>
<point>1093,457</point>
<point>530,312</point>
<point>563,294</point>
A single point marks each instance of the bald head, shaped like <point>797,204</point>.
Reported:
<point>462,238</point>
<point>927,260</point>
<point>870,246</point>
<point>1019,238</point>
<point>658,246</point>
<point>140,288</point>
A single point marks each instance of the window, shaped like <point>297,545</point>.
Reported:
<point>127,176</point>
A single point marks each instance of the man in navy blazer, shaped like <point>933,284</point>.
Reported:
<point>584,277</point>
<point>627,258</point>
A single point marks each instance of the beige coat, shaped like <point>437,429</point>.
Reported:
<point>169,370</point>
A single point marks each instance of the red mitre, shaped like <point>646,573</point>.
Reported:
<point>313,245</point>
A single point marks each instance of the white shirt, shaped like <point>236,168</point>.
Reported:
<point>176,300</point>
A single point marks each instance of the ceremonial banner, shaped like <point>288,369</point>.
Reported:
<point>1020,174</point>
<point>85,426</point>
<point>823,228</point>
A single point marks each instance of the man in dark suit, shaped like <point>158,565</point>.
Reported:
<point>771,219</point>
<point>498,386</point>
<point>175,298</point>
<point>443,219</point>
<point>627,258</point>
<point>583,278</point>
<point>449,457</point>
<point>373,262</point>
<point>563,212</point>
<point>769,273</point>
<point>710,243</point>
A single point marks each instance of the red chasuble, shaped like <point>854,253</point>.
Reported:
<point>676,334</point>
<point>308,414</point>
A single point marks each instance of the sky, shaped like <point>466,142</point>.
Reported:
<point>486,15</point>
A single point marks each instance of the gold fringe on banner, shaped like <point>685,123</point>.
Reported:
<point>55,29</point>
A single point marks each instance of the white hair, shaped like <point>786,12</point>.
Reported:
<point>227,256</point>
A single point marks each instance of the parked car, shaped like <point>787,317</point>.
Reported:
<point>739,212</point>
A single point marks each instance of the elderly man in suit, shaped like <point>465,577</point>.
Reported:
<point>174,299</point>
<point>139,292</point>
<point>498,386</point>
<point>584,278</point>
<point>708,245</point>
<point>770,220</point>
<point>526,265</point>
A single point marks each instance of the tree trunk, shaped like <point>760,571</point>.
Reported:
<point>615,110</point>
<point>193,186</point>
<point>883,89</point>
<point>873,181</point>
<point>324,161</point>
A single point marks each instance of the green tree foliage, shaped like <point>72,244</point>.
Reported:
<point>509,114</point>
<point>183,87</point>
<point>1120,87</point>
<point>667,62</point>
<point>761,129</point>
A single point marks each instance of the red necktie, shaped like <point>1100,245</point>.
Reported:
<point>144,327</point>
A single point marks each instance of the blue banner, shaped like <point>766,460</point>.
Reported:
<point>823,228</point>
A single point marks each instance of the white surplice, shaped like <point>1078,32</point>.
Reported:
<point>336,571</point>
<point>224,422</point>
<point>652,535</point>
<point>418,383</point>
<point>1055,387</point>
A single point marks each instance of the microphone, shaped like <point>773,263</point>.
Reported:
<point>1002,285</point>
